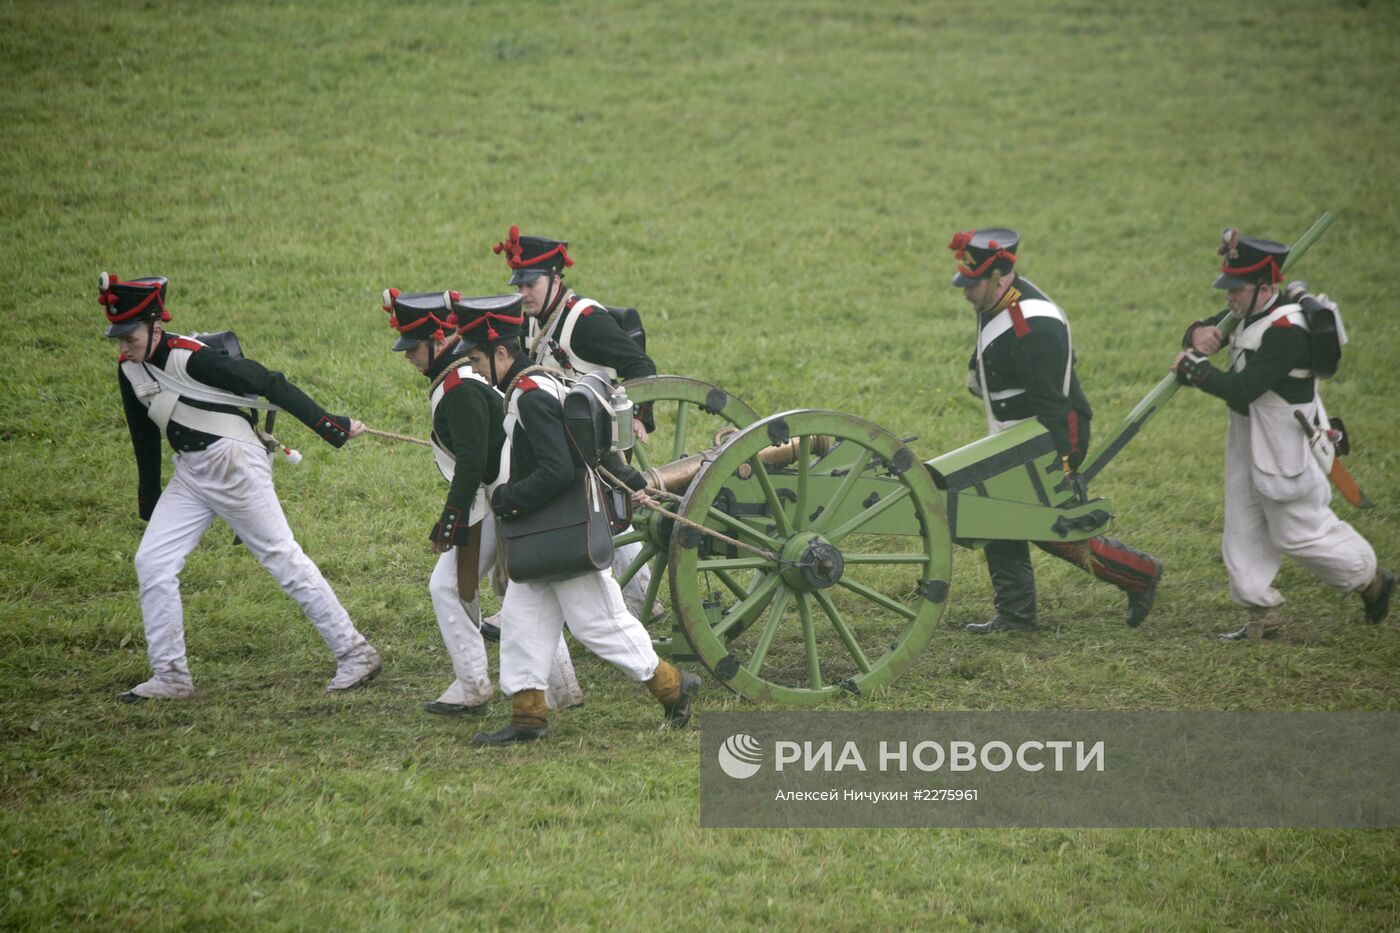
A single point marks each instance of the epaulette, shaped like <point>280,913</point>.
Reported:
<point>527,384</point>
<point>1018,320</point>
<point>182,343</point>
<point>1282,322</point>
<point>587,311</point>
<point>451,381</point>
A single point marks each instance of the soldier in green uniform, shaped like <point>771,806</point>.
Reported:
<point>1023,367</point>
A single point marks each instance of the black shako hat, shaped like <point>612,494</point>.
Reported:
<point>420,316</point>
<point>532,256</point>
<point>1249,261</point>
<point>489,321</point>
<point>128,305</point>
<point>982,253</point>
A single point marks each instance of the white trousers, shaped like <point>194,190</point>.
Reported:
<point>591,605</point>
<point>1259,531</point>
<point>233,480</point>
<point>459,624</point>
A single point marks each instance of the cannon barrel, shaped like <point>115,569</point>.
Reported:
<point>677,475</point>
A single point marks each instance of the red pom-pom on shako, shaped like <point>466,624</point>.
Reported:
<point>164,315</point>
<point>960,241</point>
<point>510,245</point>
<point>993,244</point>
<point>451,319</point>
<point>455,296</point>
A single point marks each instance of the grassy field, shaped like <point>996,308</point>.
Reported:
<point>773,185</point>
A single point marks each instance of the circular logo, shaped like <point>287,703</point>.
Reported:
<point>740,756</point>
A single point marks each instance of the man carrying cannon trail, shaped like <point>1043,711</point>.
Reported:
<point>195,395</point>
<point>541,468</point>
<point>467,434</point>
<point>1277,497</point>
<point>573,335</point>
<point>1023,367</point>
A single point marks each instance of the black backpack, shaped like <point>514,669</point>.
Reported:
<point>1324,330</point>
<point>631,323</point>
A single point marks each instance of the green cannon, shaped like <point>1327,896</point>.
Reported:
<point>830,556</point>
<point>810,553</point>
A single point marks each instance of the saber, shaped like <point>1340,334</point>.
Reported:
<point>1161,393</point>
<point>1323,451</point>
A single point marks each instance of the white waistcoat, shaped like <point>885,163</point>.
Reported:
<point>564,338</point>
<point>159,389</point>
<point>447,462</point>
<point>1031,307</point>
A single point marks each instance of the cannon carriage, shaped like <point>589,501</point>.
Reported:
<point>813,550</point>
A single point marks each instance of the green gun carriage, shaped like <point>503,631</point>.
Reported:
<point>825,564</point>
<point>833,569</point>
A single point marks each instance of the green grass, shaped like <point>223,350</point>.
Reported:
<point>773,186</point>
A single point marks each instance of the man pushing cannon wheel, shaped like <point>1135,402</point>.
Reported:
<point>194,395</point>
<point>1277,499</point>
<point>1023,367</point>
<point>542,467</point>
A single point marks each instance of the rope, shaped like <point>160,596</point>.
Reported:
<point>653,492</point>
<point>399,437</point>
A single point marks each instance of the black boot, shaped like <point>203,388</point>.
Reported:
<point>1140,604</point>
<point>1378,605</point>
<point>1002,624</point>
<point>527,721</point>
<point>678,711</point>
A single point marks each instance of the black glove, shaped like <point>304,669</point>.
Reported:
<point>1193,369</point>
<point>145,509</point>
<point>1076,484</point>
<point>644,415</point>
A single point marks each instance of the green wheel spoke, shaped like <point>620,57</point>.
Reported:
<point>842,631</point>
<point>653,587</point>
<point>731,584</point>
<point>734,563</point>
<point>770,628</point>
<point>884,558</point>
<point>682,420</point>
<point>742,611</point>
<point>738,524</point>
<point>836,534</point>
<point>838,498</point>
<point>876,597</point>
<point>639,454</point>
<point>629,537</point>
<point>775,505</point>
<point>804,454</point>
<point>809,643</point>
<point>647,552</point>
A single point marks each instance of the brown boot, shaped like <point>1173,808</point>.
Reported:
<point>1263,623</point>
<point>676,689</point>
<point>1377,594</point>
<point>528,713</point>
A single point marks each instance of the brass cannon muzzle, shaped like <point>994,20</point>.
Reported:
<point>677,475</point>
